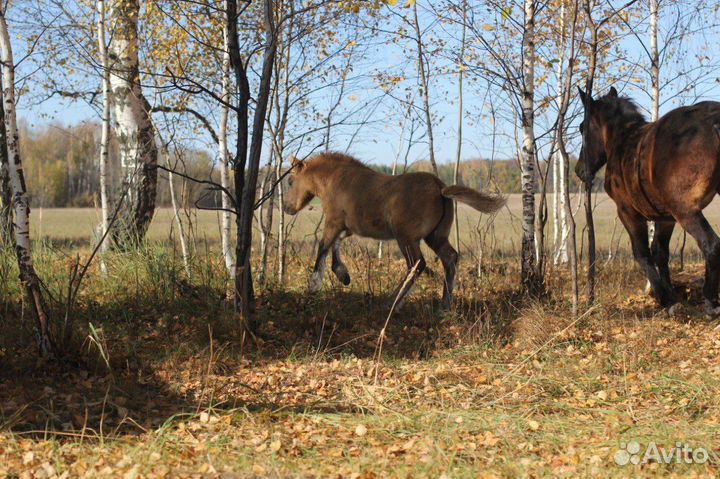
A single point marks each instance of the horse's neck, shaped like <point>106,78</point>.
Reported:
<point>329,177</point>
<point>624,141</point>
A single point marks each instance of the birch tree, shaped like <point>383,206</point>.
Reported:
<point>560,185</point>
<point>20,201</point>
<point>133,125</point>
<point>654,87</point>
<point>104,132</point>
<point>530,275</point>
<point>224,157</point>
<point>6,219</point>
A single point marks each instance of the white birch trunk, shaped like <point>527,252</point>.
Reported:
<point>560,220</point>
<point>655,67</point>
<point>134,129</point>
<point>226,227</point>
<point>655,88</point>
<point>530,278</point>
<point>20,200</point>
<point>104,134</point>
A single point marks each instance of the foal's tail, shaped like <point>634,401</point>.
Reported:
<point>480,201</point>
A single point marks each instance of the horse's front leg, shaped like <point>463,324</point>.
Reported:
<point>338,266</point>
<point>636,227</point>
<point>661,249</point>
<point>330,235</point>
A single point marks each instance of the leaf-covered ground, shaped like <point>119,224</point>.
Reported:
<point>500,387</point>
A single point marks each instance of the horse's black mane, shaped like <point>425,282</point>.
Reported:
<point>620,108</point>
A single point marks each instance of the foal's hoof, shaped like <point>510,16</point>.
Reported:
<point>711,309</point>
<point>315,284</point>
<point>343,276</point>
<point>446,304</point>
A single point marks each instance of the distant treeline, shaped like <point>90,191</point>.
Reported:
<point>490,175</point>
<point>61,170</point>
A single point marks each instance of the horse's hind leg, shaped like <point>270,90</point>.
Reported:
<point>661,250</point>
<point>449,257</point>
<point>636,227</point>
<point>412,253</point>
<point>338,266</point>
<point>709,244</point>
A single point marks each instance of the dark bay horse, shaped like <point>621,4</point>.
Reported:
<point>358,200</point>
<point>666,171</point>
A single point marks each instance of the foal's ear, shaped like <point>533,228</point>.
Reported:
<point>296,164</point>
<point>613,92</point>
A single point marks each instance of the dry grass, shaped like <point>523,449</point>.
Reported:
<point>501,386</point>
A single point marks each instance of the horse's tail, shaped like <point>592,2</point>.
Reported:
<point>482,202</point>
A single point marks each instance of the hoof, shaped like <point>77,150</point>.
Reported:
<point>446,304</point>
<point>711,309</point>
<point>675,310</point>
<point>315,283</point>
<point>342,275</point>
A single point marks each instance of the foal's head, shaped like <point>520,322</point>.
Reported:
<point>301,188</point>
<point>607,113</point>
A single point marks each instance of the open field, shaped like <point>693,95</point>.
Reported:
<point>78,225</point>
<point>163,385</point>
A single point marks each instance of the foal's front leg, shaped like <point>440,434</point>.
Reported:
<point>330,236</point>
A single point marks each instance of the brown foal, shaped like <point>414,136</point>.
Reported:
<point>358,200</point>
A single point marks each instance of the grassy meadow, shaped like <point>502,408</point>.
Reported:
<point>162,383</point>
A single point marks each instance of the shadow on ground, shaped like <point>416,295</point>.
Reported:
<point>174,350</point>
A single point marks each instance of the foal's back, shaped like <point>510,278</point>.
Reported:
<point>381,206</point>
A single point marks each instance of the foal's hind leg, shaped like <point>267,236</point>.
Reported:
<point>449,257</point>
<point>661,250</point>
<point>709,244</point>
<point>338,266</point>
<point>412,253</point>
<point>636,227</point>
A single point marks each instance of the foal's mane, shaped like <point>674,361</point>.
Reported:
<point>336,157</point>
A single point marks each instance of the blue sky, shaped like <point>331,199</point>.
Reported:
<point>378,142</point>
